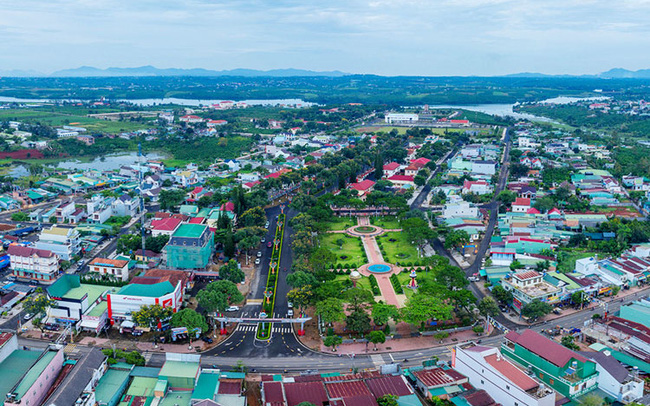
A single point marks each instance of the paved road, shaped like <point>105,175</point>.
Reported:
<point>419,200</point>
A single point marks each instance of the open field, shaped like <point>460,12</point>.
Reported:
<point>568,262</point>
<point>60,119</point>
<point>363,283</point>
<point>385,222</point>
<point>397,248</point>
<point>350,252</point>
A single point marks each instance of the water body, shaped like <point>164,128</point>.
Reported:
<point>108,162</point>
<point>170,100</point>
<point>18,171</point>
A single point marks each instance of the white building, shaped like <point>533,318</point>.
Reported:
<point>614,378</point>
<point>33,264</point>
<point>126,205</point>
<point>118,268</point>
<point>487,369</point>
<point>484,167</point>
<point>459,208</point>
<point>62,241</point>
<point>401,118</point>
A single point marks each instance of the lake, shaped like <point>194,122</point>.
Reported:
<point>108,162</point>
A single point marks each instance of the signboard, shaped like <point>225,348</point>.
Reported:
<point>516,303</point>
<point>603,291</point>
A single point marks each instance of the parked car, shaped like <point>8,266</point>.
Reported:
<point>263,239</point>
<point>233,309</point>
<point>266,225</point>
<point>269,244</point>
<point>206,339</point>
<point>259,254</point>
<point>28,316</point>
<point>258,261</point>
<point>290,312</point>
<point>289,305</point>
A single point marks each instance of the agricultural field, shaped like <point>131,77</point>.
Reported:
<point>58,118</point>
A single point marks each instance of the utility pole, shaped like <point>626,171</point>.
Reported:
<point>141,181</point>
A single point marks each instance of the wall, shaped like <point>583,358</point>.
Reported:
<point>38,390</point>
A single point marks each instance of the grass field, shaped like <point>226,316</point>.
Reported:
<point>568,262</point>
<point>399,250</point>
<point>60,119</point>
<point>351,252</point>
<point>386,222</point>
<point>340,223</point>
<point>363,283</point>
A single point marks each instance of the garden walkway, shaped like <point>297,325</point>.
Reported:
<point>374,258</point>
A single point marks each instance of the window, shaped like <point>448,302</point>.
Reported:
<point>541,375</point>
<point>551,382</point>
<point>482,382</point>
<point>508,387</point>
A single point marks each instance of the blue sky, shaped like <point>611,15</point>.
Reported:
<point>405,37</point>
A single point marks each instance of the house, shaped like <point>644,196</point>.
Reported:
<point>190,247</point>
<point>439,382</point>
<point>158,286</point>
<point>521,205</point>
<point>99,208</point>
<point>216,123</point>
<point>126,205</point>
<point>62,241</point>
<point>27,376</point>
<point>165,226</point>
<point>613,378</point>
<point>33,264</point>
<point>147,256</point>
<point>78,386</point>
<point>484,167</point>
<point>402,180</point>
<point>411,170</point>
<point>63,211</point>
<point>190,119</point>
<point>479,187</point>
<point>566,371</point>
<point>487,369</point>
<point>391,169</point>
<point>117,268</point>
<point>527,286</point>
<point>363,188</point>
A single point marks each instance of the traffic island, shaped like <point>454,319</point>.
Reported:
<point>268,306</point>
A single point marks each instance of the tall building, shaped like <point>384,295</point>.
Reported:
<point>190,247</point>
<point>33,264</point>
<point>62,241</point>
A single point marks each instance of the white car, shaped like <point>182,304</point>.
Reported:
<point>267,225</point>
<point>259,254</point>
<point>263,239</point>
<point>233,309</point>
<point>289,305</point>
<point>290,312</point>
<point>257,261</point>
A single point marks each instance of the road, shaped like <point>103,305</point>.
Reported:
<point>419,200</point>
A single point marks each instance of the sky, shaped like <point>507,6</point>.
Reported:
<point>385,37</point>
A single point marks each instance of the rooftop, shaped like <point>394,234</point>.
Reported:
<point>115,263</point>
<point>180,369</point>
<point>110,384</point>
<point>34,372</point>
<point>190,230</point>
<point>153,290</point>
<point>14,367</point>
<point>550,350</point>
<point>435,377</point>
<point>75,382</point>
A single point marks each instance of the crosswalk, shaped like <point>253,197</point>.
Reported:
<point>70,348</point>
<point>277,328</point>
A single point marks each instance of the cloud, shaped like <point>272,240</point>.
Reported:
<point>394,37</point>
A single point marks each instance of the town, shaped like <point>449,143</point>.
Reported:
<point>325,254</point>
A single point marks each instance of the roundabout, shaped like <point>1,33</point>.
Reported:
<point>365,229</point>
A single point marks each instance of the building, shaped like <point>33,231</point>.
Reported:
<point>73,298</point>
<point>484,167</point>
<point>190,247</point>
<point>479,187</point>
<point>402,180</point>
<point>439,382</point>
<point>614,379</point>
<point>78,386</point>
<point>158,286</point>
<point>363,188</point>
<point>527,286</point>
<point>117,268</point>
<point>566,371</point>
<point>508,385</point>
<point>459,208</point>
<point>62,241</point>
<point>126,205</point>
<point>33,264</point>
<point>521,205</point>
<point>391,169</point>
<point>165,226</point>
<point>26,376</point>
<point>401,118</point>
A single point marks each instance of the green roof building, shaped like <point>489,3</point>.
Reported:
<point>190,247</point>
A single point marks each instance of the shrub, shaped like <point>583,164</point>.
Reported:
<point>396,285</point>
<point>374,286</point>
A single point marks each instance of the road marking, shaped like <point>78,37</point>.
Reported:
<point>391,357</point>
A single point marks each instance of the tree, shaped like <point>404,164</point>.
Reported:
<point>579,297</point>
<point>299,279</point>
<point>569,342</point>
<point>488,307</point>
<point>300,297</point>
<point>253,217</point>
<point>190,319</point>
<point>218,295</point>
<point>379,166</point>
<point>451,277</point>
<point>330,310</point>
<point>37,305</point>
<point>478,330</point>
<point>231,272</point>
<point>169,199</point>
<point>150,315</point>
<point>229,244</point>
<point>358,321</point>
<point>419,180</point>
<point>456,238</point>
<point>387,400</point>
<point>332,341</point>
<point>536,309</point>
<point>421,308</point>
<point>506,197</point>
<point>382,312</point>
<point>502,295</point>
<point>19,216</point>
<point>358,298</point>
<point>417,230</point>
<point>441,336</point>
<point>321,259</point>
<point>53,219</point>
<point>377,337</point>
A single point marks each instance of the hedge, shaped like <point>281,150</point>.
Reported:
<point>396,285</point>
<point>374,286</point>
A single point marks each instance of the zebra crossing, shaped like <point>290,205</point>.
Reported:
<point>277,328</point>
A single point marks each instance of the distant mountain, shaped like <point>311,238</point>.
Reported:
<point>21,73</point>
<point>620,73</point>
<point>89,71</point>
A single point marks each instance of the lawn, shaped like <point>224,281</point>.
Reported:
<point>386,222</point>
<point>340,223</point>
<point>399,250</point>
<point>351,252</point>
<point>363,283</point>
<point>404,279</point>
<point>567,262</point>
